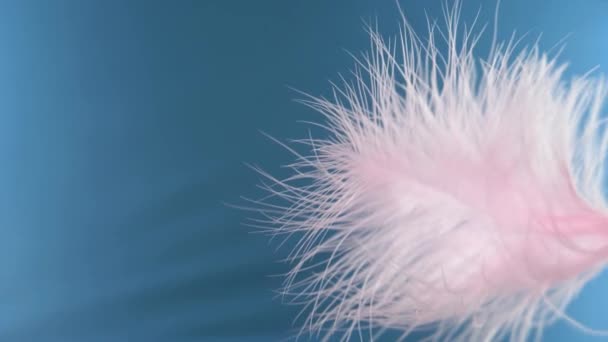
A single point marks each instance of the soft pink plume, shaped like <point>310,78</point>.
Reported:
<point>454,192</point>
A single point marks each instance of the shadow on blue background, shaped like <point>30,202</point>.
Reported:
<point>124,127</point>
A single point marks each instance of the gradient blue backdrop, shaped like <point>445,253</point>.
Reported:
<point>125,125</point>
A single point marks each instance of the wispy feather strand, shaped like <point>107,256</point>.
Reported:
<point>455,194</point>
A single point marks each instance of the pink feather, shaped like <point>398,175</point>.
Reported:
<point>453,192</point>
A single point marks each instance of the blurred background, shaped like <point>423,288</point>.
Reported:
<point>125,127</point>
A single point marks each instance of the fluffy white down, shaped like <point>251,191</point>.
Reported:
<point>453,193</point>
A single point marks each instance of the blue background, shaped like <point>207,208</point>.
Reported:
<point>124,129</point>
